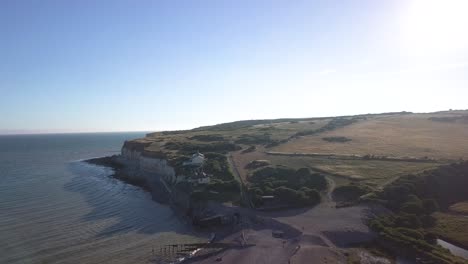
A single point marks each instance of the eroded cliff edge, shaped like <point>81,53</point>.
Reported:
<point>148,170</point>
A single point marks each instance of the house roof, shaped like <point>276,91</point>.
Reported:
<point>198,154</point>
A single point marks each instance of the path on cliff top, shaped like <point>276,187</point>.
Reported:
<point>243,193</point>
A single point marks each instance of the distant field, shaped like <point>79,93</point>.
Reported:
<point>412,135</point>
<point>372,172</point>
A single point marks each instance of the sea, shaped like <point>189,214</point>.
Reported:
<point>55,208</point>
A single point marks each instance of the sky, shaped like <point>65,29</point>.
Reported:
<point>84,66</point>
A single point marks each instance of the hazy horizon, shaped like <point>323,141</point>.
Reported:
<point>45,132</point>
<point>117,66</point>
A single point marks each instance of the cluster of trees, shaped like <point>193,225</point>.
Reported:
<point>217,165</point>
<point>351,192</point>
<point>283,176</point>
<point>411,242</point>
<point>445,185</point>
<point>208,138</point>
<point>248,123</point>
<point>294,187</point>
<point>302,197</point>
<point>249,149</point>
<point>190,147</point>
<point>222,187</point>
<point>217,190</point>
<point>413,198</point>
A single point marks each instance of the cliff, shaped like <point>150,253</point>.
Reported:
<point>146,169</point>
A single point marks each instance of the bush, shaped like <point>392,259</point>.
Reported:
<point>312,195</point>
<point>224,186</point>
<point>430,206</point>
<point>249,149</point>
<point>408,220</point>
<point>412,208</point>
<point>305,197</point>
<point>410,232</point>
<point>217,165</point>
<point>289,178</point>
<point>190,147</point>
<point>350,192</point>
<point>208,138</point>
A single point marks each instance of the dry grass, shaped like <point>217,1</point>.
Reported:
<point>411,135</point>
<point>400,135</point>
<point>460,208</point>
<point>453,228</point>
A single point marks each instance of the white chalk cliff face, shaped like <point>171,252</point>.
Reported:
<point>148,168</point>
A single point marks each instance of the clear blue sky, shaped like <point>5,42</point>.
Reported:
<point>157,65</point>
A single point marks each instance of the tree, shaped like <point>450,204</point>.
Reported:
<point>430,206</point>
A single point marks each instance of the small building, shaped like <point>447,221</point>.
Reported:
<point>197,159</point>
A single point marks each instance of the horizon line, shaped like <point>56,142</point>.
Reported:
<point>59,132</point>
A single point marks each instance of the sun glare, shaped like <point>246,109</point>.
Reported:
<point>435,26</point>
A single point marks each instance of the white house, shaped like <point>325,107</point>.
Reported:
<point>200,178</point>
<point>197,159</point>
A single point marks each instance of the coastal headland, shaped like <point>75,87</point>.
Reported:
<point>329,190</point>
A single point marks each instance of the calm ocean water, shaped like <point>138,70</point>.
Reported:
<point>56,209</point>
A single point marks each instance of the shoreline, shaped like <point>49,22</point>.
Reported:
<point>312,232</point>
<point>119,173</point>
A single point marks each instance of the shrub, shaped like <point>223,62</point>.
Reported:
<point>412,208</point>
<point>223,187</point>
<point>408,220</point>
<point>289,178</point>
<point>350,192</point>
<point>249,149</point>
<point>217,165</point>
<point>298,198</point>
<point>430,206</point>
<point>410,232</point>
<point>190,147</point>
<point>208,138</point>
